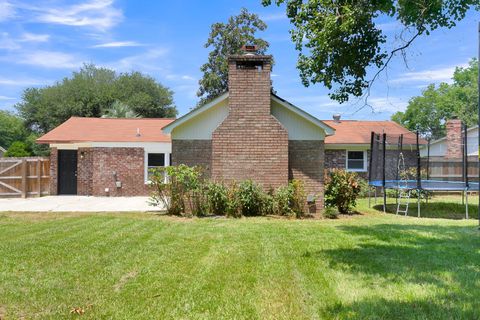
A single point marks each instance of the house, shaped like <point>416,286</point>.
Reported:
<point>106,157</point>
<point>2,151</point>
<point>349,147</point>
<point>451,146</point>
<point>250,133</point>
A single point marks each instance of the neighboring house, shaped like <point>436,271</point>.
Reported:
<point>250,133</point>
<point>2,152</point>
<point>451,146</point>
<point>349,148</point>
<point>102,157</point>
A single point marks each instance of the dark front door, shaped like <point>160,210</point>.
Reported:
<point>67,171</point>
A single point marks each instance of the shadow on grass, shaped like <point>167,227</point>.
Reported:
<point>418,272</point>
<point>444,210</point>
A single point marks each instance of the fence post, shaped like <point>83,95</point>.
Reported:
<point>39,177</point>
<point>24,178</point>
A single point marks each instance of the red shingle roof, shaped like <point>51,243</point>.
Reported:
<point>359,132</point>
<point>78,129</point>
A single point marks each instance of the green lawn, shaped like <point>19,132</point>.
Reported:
<point>142,266</point>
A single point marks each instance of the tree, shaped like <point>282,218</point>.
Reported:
<point>429,112</point>
<point>120,110</point>
<point>226,39</point>
<point>89,93</point>
<point>17,149</point>
<point>11,129</point>
<point>338,40</point>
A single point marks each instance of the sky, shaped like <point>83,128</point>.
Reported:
<point>44,41</point>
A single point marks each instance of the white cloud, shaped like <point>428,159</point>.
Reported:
<point>274,17</point>
<point>6,10</point>
<point>388,104</point>
<point>22,82</point>
<point>148,61</point>
<point>7,43</point>
<point>98,14</point>
<point>7,98</point>
<point>443,74</point>
<point>185,77</point>
<point>46,59</point>
<point>118,44</point>
<point>33,37</point>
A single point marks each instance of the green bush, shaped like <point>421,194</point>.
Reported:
<point>330,213</point>
<point>217,195</point>
<point>341,190</point>
<point>17,149</point>
<point>364,188</point>
<point>233,204</point>
<point>182,191</point>
<point>290,200</point>
<point>250,197</point>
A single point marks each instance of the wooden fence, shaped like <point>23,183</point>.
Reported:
<point>451,169</point>
<point>24,177</point>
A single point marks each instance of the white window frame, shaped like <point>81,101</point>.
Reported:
<point>365,161</point>
<point>166,164</point>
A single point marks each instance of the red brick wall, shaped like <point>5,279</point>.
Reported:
<point>454,139</point>
<point>250,143</point>
<point>193,153</point>
<point>306,161</point>
<point>96,167</point>
<point>53,171</point>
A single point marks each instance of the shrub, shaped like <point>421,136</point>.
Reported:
<point>341,190</point>
<point>282,199</point>
<point>330,213</point>
<point>364,187</point>
<point>233,202</point>
<point>290,200</point>
<point>250,196</point>
<point>17,149</point>
<point>182,190</point>
<point>217,194</point>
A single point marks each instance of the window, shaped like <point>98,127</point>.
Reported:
<point>155,160</point>
<point>356,161</point>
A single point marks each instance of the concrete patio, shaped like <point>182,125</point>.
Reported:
<point>78,204</point>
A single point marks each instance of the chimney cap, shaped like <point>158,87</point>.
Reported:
<point>249,48</point>
<point>336,117</point>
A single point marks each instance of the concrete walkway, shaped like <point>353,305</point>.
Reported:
<point>77,204</point>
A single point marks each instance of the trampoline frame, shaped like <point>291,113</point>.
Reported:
<point>420,184</point>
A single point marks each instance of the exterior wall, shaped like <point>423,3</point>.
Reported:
<point>250,143</point>
<point>193,153</point>
<point>100,168</point>
<point>53,171</point>
<point>306,163</point>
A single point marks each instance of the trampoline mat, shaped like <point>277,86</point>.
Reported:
<point>431,185</point>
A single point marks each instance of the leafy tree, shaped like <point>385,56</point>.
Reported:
<point>428,112</point>
<point>119,110</point>
<point>226,39</point>
<point>17,149</point>
<point>11,129</point>
<point>338,40</point>
<point>89,93</point>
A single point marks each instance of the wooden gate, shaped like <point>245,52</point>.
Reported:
<point>24,177</point>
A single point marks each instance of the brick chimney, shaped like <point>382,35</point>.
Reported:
<point>454,139</point>
<point>250,143</point>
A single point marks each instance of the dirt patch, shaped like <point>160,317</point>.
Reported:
<point>124,279</point>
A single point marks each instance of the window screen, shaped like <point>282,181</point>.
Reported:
<point>356,160</point>
<point>156,160</point>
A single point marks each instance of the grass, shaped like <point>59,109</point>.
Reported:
<point>143,266</point>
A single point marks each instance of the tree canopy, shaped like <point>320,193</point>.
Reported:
<point>226,39</point>
<point>428,112</point>
<point>11,129</point>
<point>90,92</point>
<point>338,40</point>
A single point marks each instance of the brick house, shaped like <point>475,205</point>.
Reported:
<point>349,148</point>
<point>250,133</point>
<point>106,157</point>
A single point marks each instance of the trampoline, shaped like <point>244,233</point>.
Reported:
<point>396,164</point>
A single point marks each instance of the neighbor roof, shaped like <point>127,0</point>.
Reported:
<point>359,132</point>
<point>78,129</point>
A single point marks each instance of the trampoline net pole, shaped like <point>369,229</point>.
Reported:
<point>478,142</point>
<point>384,144</point>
